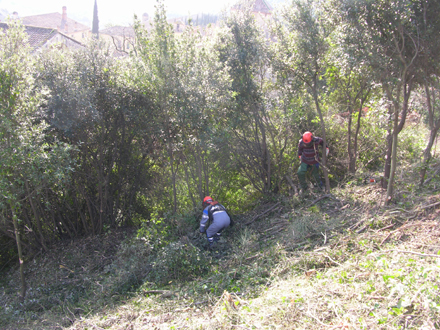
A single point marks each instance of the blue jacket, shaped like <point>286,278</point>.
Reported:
<point>213,212</point>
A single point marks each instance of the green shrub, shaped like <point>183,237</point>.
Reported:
<point>179,261</point>
<point>162,230</point>
<point>130,266</point>
<point>412,143</point>
<point>157,231</point>
<point>184,224</point>
<point>371,143</point>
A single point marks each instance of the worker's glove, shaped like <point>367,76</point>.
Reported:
<point>326,151</point>
<point>299,158</point>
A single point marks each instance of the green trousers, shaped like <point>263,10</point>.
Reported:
<point>302,172</point>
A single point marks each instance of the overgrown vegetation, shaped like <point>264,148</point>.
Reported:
<point>345,259</point>
<point>105,161</point>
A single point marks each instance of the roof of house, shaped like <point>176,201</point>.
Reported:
<point>123,31</point>
<point>38,36</point>
<point>54,21</point>
<point>260,6</point>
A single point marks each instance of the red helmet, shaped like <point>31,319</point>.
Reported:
<point>307,137</point>
<point>207,200</point>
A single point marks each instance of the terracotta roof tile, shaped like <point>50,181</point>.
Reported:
<point>122,31</point>
<point>53,20</point>
<point>259,6</point>
<point>38,36</point>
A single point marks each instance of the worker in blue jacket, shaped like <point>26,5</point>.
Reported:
<point>216,214</point>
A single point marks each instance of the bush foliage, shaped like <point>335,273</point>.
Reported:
<point>91,143</point>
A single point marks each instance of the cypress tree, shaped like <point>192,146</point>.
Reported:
<point>95,27</point>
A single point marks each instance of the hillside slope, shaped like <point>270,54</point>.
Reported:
<point>339,261</point>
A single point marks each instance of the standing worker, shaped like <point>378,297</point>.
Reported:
<point>308,155</point>
<point>217,214</point>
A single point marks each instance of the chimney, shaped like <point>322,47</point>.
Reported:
<point>63,26</point>
<point>145,18</point>
<point>64,14</point>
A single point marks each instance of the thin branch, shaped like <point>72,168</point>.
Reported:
<point>117,48</point>
<point>431,205</point>
<point>239,326</point>
<point>383,241</point>
<point>432,177</point>
<point>415,253</point>
<point>256,217</point>
<point>201,302</point>
<point>322,197</point>
<point>387,227</point>
<point>328,257</point>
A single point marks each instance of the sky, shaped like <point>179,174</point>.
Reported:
<point>111,12</point>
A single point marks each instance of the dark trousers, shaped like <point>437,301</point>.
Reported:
<point>302,172</point>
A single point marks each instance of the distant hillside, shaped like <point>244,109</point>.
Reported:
<point>203,19</point>
<point>200,19</point>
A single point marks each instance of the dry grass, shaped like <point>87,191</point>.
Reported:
<point>352,283</point>
<point>345,261</point>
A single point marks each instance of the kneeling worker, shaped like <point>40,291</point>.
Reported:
<point>217,214</point>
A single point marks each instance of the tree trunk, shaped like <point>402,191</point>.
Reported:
<point>264,153</point>
<point>90,209</point>
<point>356,135</point>
<point>26,217</point>
<point>363,99</point>
<point>37,217</point>
<point>393,159</point>
<point>65,225</point>
<point>188,184</point>
<point>397,128</point>
<point>100,169</point>
<point>82,216</point>
<point>20,254</point>
<point>199,172</point>
<point>351,159</point>
<point>427,156</point>
<point>173,178</point>
<point>268,162</point>
<point>324,156</point>
<point>206,172</point>
<point>389,141</point>
<point>434,126</point>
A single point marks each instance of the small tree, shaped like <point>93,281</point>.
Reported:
<point>303,41</point>
<point>350,78</point>
<point>398,39</point>
<point>158,72</point>
<point>243,52</point>
<point>430,74</point>
<point>29,163</point>
<point>432,95</point>
<point>95,27</point>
